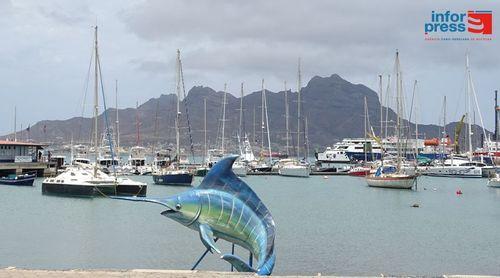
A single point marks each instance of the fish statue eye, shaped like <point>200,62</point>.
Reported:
<point>178,206</point>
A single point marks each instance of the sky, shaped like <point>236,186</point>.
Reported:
<point>46,48</point>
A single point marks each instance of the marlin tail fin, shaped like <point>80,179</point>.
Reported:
<point>238,263</point>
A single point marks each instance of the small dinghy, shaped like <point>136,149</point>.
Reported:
<point>22,180</point>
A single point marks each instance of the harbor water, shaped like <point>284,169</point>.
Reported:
<point>335,225</point>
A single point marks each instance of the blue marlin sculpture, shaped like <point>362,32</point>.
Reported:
<point>224,206</point>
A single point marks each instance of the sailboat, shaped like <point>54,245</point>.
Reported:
<point>289,166</point>
<point>240,166</point>
<point>394,177</point>
<point>173,175</point>
<point>261,165</point>
<point>202,170</point>
<point>88,180</point>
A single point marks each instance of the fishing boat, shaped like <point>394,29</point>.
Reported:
<point>88,180</point>
<point>107,160</point>
<point>79,154</point>
<point>22,180</point>
<point>173,174</point>
<point>394,177</point>
<point>137,162</point>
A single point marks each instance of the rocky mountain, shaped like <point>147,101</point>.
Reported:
<point>333,107</point>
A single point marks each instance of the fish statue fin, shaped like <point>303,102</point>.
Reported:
<point>207,237</point>
<point>159,201</point>
<point>238,263</point>
<point>219,174</point>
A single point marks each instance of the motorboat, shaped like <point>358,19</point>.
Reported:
<point>26,179</point>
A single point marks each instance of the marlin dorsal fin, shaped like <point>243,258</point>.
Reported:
<point>218,175</point>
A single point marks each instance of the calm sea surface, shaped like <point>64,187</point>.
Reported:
<point>333,226</point>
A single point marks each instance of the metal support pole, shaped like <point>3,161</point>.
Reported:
<point>250,260</point>
<point>202,256</point>
<point>232,253</point>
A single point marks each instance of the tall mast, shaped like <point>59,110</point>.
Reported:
<point>15,123</point>
<point>286,122</point>
<point>96,103</point>
<point>496,117</point>
<point>398,104</point>
<point>205,126</point>
<point>299,85</point>
<point>177,117</point>
<point>444,117</point>
<point>241,112</point>
<point>467,102</point>
<point>267,125</point>
<point>223,118</point>
<point>117,122</point>
<point>416,119</point>
<point>381,106</point>
<point>137,123</point>
<point>365,148</point>
<point>253,134</point>
<point>262,118</point>
<point>387,104</point>
<point>306,132</point>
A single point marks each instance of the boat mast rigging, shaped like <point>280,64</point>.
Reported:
<point>299,86</point>
<point>286,122</point>
<point>96,102</point>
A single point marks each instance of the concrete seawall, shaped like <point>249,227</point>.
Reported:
<point>154,273</point>
<point>133,273</point>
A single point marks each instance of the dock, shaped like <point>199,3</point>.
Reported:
<point>313,173</point>
<point>43,169</point>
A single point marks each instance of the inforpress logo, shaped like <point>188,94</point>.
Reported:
<point>472,25</point>
<point>480,22</point>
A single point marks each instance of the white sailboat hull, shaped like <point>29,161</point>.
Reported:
<point>295,171</point>
<point>391,181</point>
<point>240,170</point>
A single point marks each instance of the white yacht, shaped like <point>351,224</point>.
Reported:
<point>293,168</point>
<point>455,167</point>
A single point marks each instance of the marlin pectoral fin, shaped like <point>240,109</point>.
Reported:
<point>238,263</point>
<point>207,237</point>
